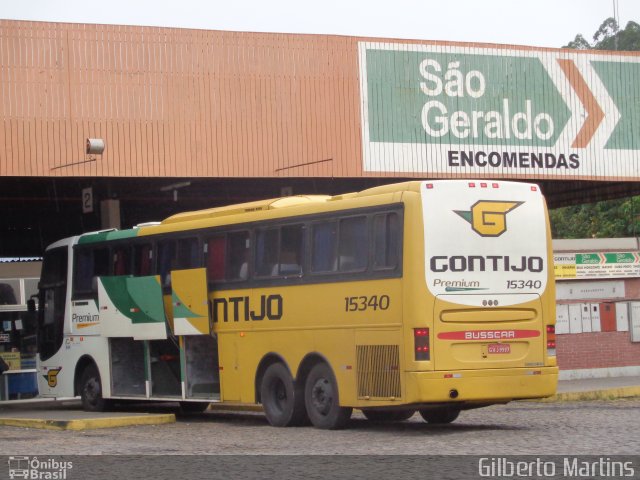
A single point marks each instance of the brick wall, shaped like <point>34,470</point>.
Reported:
<point>596,350</point>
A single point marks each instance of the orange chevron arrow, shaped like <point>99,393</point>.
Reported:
<point>595,115</point>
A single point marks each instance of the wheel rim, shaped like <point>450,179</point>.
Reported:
<point>279,394</point>
<point>322,396</point>
<point>92,390</point>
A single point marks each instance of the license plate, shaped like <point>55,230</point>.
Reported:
<point>499,348</point>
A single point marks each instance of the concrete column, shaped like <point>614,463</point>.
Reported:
<point>110,214</point>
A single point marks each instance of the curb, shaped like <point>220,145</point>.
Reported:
<point>89,423</point>
<point>604,394</point>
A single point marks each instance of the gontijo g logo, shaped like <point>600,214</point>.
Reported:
<point>52,376</point>
<point>488,218</point>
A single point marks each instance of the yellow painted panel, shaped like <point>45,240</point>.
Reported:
<point>189,302</point>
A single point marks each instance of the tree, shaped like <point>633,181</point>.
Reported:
<point>578,43</point>
<point>610,37</point>
<point>610,218</point>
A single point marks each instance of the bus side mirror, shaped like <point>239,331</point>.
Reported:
<point>31,305</point>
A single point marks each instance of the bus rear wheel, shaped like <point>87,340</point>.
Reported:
<point>91,390</point>
<point>440,416</point>
<point>281,398</point>
<point>322,400</point>
<point>388,415</point>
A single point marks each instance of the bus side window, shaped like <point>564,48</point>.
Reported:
<point>166,260</point>
<point>238,255</point>
<point>386,236</point>
<point>177,255</point>
<point>142,255</point>
<point>267,241</point>
<point>323,249</point>
<point>101,265</point>
<point>83,273</point>
<point>215,258</point>
<point>291,244</point>
<point>353,246</point>
<point>101,262</point>
<point>90,263</point>
<point>122,261</point>
<point>187,254</point>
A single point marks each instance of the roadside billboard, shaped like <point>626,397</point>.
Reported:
<point>499,111</point>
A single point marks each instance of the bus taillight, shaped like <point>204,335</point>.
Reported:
<point>551,340</point>
<point>421,343</point>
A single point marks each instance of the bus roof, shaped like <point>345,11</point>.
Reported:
<point>236,209</point>
<point>250,207</point>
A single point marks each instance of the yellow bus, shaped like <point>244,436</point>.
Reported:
<point>428,296</point>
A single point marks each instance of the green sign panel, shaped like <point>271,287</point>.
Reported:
<point>499,111</point>
<point>447,98</point>
<point>604,258</point>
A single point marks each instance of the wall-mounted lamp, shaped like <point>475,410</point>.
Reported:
<point>95,146</point>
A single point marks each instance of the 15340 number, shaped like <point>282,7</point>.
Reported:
<point>360,304</point>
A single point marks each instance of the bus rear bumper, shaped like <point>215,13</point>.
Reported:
<point>481,385</point>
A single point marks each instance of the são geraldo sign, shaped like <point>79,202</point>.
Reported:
<point>449,110</point>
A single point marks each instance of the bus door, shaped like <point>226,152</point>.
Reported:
<point>191,323</point>
<point>486,264</point>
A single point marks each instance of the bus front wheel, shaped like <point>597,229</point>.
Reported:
<point>440,416</point>
<point>322,400</point>
<point>281,399</point>
<point>91,390</point>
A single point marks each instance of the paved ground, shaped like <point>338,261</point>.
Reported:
<point>251,448</point>
<point>571,428</point>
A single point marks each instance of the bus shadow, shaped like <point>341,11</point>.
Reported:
<point>415,426</point>
<point>357,423</point>
<point>418,427</point>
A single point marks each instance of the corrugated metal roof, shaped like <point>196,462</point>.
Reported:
<point>171,102</point>
<point>192,103</point>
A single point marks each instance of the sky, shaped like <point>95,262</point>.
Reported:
<point>545,23</point>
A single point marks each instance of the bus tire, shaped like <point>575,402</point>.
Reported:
<point>281,399</point>
<point>388,415</point>
<point>440,416</point>
<point>91,390</point>
<point>322,400</point>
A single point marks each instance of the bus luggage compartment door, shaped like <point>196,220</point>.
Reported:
<point>474,337</point>
<point>189,302</point>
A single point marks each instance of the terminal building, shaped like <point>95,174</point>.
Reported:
<point>110,126</point>
<point>598,307</point>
